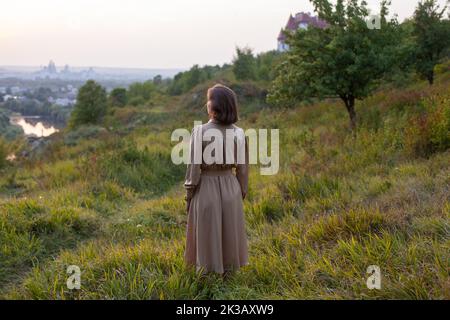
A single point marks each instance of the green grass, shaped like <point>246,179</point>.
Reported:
<point>110,201</point>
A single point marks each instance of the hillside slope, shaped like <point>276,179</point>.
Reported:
<point>111,202</point>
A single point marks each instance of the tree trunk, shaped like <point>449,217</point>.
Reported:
<point>350,105</point>
<point>430,78</point>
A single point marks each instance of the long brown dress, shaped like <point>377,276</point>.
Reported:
<point>216,239</point>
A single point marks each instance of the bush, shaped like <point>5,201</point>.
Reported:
<point>429,132</point>
<point>118,97</point>
<point>82,133</point>
<point>141,92</point>
<point>3,153</point>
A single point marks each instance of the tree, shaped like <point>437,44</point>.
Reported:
<point>187,80</point>
<point>193,77</point>
<point>118,97</point>
<point>91,105</point>
<point>143,90</point>
<point>158,79</point>
<point>432,37</point>
<point>343,60</point>
<point>244,64</point>
<point>265,63</point>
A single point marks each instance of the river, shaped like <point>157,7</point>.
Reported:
<point>35,125</point>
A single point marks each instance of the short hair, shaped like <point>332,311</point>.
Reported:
<point>223,104</point>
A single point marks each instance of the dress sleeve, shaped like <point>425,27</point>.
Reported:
<point>242,172</point>
<point>193,172</point>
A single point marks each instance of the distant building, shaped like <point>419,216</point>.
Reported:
<point>66,69</point>
<point>16,90</point>
<point>63,102</point>
<point>301,20</point>
<point>51,72</point>
<point>9,97</point>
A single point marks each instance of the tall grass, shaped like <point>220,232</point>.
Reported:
<point>111,203</point>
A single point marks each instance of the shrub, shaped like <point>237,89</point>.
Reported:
<point>3,153</point>
<point>429,132</point>
<point>83,132</point>
<point>118,97</point>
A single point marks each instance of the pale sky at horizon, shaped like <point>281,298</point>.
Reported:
<point>146,34</point>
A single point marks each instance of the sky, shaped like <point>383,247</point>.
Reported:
<point>146,33</point>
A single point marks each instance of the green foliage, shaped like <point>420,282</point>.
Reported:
<point>84,132</point>
<point>142,91</point>
<point>7,130</point>
<point>266,64</point>
<point>431,37</point>
<point>157,80</point>
<point>244,64</point>
<point>111,202</point>
<point>3,152</point>
<point>185,81</point>
<point>36,103</point>
<point>429,132</point>
<point>343,60</point>
<point>118,97</point>
<point>91,105</point>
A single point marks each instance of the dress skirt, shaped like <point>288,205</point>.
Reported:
<point>216,238</point>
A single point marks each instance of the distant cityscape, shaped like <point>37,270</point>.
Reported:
<point>22,84</point>
<point>66,72</point>
<point>64,96</point>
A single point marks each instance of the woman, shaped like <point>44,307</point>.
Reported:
<point>216,237</point>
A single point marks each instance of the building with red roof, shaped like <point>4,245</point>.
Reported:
<point>301,20</point>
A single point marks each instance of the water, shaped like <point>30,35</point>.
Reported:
<point>35,125</point>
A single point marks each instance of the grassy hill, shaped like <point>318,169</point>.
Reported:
<point>110,201</point>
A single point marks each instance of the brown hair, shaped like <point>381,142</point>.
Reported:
<point>223,104</point>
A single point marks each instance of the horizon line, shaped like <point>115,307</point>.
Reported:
<point>94,66</point>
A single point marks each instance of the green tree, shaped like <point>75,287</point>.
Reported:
<point>158,79</point>
<point>343,60</point>
<point>265,63</point>
<point>185,81</point>
<point>91,105</point>
<point>193,77</point>
<point>244,64</point>
<point>118,97</point>
<point>142,90</point>
<point>432,37</point>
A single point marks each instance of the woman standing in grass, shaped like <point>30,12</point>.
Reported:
<point>216,237</point>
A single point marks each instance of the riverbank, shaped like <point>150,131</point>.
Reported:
<point>8,130</point>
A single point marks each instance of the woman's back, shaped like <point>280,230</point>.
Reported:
<point>216,237</point>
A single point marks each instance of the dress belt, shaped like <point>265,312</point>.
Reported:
<point>216,172</point>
